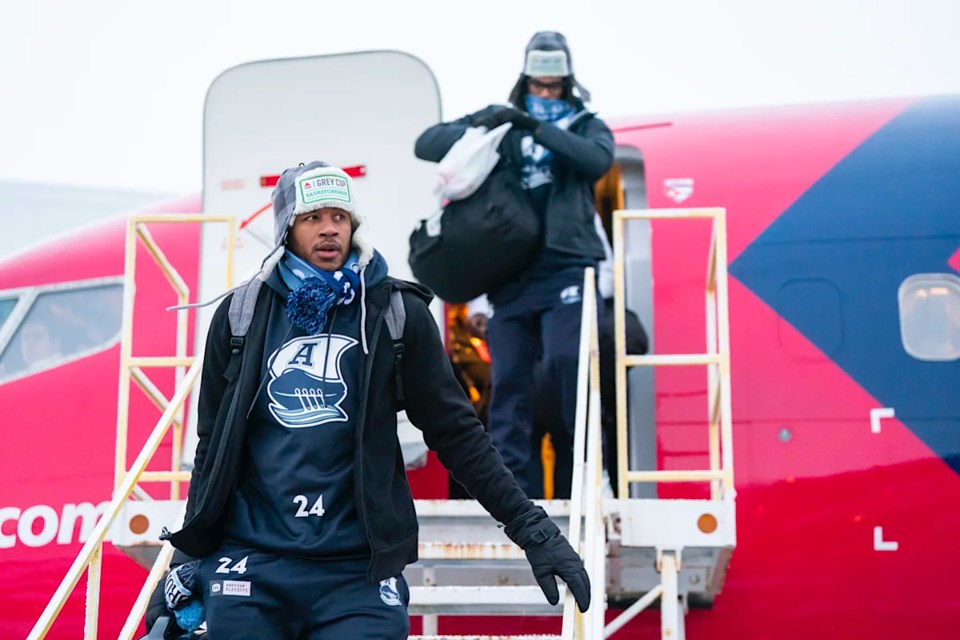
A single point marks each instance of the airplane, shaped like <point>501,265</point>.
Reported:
<point>844,257</point>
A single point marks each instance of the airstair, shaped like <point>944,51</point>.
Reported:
<point>637,551</point>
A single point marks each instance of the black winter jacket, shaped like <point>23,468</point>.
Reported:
<point>434,402</point>
<point>583,154</point>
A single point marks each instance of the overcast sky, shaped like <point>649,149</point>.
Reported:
<point>110,93</point>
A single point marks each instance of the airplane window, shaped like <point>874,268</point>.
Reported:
<point>6,306</point>
<point>61,326</point>
<point>930,316</point>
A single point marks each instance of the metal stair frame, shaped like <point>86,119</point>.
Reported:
<point>126,479</point>
<point>715,530</point>
<point>671,539</point>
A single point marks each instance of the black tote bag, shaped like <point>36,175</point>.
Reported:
<point>479,243</point>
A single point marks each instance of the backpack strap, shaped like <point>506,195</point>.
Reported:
<point>396,319</point>
<point>242,306</point>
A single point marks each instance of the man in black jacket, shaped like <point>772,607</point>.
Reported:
<point>563,149</point>
<point>299,510</point>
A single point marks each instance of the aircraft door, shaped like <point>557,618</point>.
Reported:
<point>625,188</point>
<point>359,111</point>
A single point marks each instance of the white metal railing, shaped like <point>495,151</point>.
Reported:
<point>587,532</point>
<point>126,480</point>
<point>716,359</point>
<point>131,367</point>
<point>92,551</point>
<point>719,421</point>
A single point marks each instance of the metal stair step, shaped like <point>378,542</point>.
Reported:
<point>540,637</point>
<point>482,600</point>
<point>440,550</point>
<point>441,508</point>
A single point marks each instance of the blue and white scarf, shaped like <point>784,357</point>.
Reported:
<point>537,159</point>
<point>313,291</point>
<point>548,109</point>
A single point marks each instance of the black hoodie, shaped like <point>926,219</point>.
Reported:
<point>434,401</point>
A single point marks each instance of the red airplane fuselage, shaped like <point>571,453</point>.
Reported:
<point>845,526</point>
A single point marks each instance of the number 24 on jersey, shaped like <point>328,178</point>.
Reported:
<point>302,502</point>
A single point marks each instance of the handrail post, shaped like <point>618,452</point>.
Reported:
<point>595,531</point>
<point>126,346</point>
<point>573,623</point>
<point>620,341</point>
<point>723,321</point>
<point>92,614</point>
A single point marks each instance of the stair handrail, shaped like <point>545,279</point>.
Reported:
<point>717,357</point>
<point>586,529</point>
<point>91,553</point>
<point>719,423</point>
<point>126,480</point>
<point>131,367</point>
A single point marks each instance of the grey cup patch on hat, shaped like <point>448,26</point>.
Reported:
<point>324,187</point>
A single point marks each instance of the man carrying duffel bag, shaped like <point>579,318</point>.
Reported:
<point>561,149</point>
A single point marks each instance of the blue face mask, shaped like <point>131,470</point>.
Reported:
<point>548,109</point>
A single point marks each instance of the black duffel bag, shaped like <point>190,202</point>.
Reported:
<point>479,243</point>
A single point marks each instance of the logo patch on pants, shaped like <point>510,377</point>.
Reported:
<point>230,588</point>
<point>570,295</point>
<point>389,593</point>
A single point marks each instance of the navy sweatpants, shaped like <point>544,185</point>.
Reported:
<point>252,595</point>
<point>541,323</point>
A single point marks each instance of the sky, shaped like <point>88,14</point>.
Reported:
<point>110,93</point>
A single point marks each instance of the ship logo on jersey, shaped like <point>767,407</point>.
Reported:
<point>306,384</point>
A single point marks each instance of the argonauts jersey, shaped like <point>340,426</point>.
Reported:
<point>296,492</point>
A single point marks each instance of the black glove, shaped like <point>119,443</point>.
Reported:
<point>492,117</point>
<point>550,555</point>
<point>523,120</point>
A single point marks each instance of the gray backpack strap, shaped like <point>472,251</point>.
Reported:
<point>396,319</point>
<point>242,306</point>
<point>396,315</point>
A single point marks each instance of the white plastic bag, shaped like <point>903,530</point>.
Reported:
<point>468,162</point>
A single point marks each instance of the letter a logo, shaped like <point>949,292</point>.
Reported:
<point>304,356</point>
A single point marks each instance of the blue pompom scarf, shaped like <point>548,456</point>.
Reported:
<point>313,291</point>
